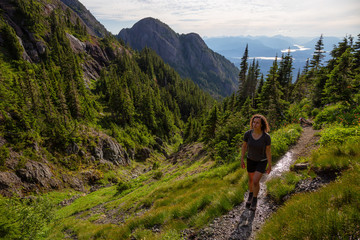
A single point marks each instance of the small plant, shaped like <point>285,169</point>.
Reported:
<point>155,166</point>
<point>122,186</point>
<point>158,175</point>
<point>4,154</point>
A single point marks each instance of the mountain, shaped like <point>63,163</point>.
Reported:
<point>91,22</point>
<point>186,53</point>
<point>74,105</point>
<point>266,48</point>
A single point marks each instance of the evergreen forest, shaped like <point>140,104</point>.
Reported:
<point>107,142</point>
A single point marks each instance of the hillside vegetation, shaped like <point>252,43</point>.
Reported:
<point>98,141</point>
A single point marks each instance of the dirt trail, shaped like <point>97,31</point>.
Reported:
<point>242,223</point>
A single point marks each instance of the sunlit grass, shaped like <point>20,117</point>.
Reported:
<point>279,187</point>
<point>283,138</point>
<point>331,213</point>
<point>189,194</point>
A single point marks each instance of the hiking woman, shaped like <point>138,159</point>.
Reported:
<point>257,144</point>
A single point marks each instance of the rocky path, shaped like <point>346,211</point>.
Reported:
<point>242,223</point>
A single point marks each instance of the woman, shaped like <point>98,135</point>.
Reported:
<point>257,143</point>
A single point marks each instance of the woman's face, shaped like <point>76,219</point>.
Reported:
<point>256,123</point>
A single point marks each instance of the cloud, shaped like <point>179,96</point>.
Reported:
<point>237,17</point>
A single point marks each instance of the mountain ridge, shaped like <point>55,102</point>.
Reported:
<point>188,54</point>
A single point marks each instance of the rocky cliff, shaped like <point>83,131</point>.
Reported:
<point>186,53</point>
<point>22,173</point>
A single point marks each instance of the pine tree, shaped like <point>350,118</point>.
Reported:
<point>270,102</point>
<point>315,63</point>
<point>242,77</point>
<point>338,85</point>
<point>285,75</point>
<point>210,125</point>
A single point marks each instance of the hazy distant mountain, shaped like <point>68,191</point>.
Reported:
<point>266,48</point>
<point>186,53</point>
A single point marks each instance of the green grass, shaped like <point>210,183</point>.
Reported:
<point>187,195</point>
<point>279,187</point>
<point>333,211</point>
<point>283,138</point>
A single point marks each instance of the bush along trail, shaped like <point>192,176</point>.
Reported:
<point>242,223</point>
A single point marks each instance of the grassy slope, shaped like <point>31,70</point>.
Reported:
<point>188,196</point>
<point>332,212</point>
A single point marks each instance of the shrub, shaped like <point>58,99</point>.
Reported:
<point>24,218</point>
<point>337,134</point>
<point>155,166</point>
<point>298,110</point>
<point>342,113</point>
<point>158,175</point>
<point>283,138</point>
<point>122,186</point>
<point>4,154</point>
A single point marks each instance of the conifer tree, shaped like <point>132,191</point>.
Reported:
<point>315,63</point>
<point>209,128</point>
<point>270,102</point>
<point>285,74</point>
<point>338,85</point>
<point>242,76</point>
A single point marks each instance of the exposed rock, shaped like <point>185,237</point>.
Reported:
<point>97,53</point>
<point>74,182</point>
<point>92,176</point>
<point>10,184</point>
<point>114,153</point>
<point>142,154</point>
<point>38,173</point>
<point>72,148</point>
<point>76,45</point>
<point>110,150</point>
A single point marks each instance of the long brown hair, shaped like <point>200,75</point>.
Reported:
<point>264,123</point>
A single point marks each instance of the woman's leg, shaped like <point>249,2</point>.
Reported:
<point>251,180</point>
<point>256,182</point>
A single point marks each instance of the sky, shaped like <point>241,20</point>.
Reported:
<point>216,18</point>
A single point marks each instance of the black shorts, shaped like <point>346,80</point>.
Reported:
<point>258,166</point>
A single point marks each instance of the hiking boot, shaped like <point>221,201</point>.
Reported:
<point>249,200</point>
<point>253,204</point>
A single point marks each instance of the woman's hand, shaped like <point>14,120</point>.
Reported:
<point>268,170</point>
<point>242,163</point>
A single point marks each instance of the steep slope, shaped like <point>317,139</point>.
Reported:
<point>90,21</point>
<point>187,53</point>
<point>74,106</point>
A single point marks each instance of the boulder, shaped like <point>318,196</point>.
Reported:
<point>39,174</point>
<point>10,184</point>
<point>108,150</point>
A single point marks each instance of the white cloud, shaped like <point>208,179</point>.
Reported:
<point>235,17</point>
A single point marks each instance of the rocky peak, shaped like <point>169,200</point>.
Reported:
<point>186,53</point>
